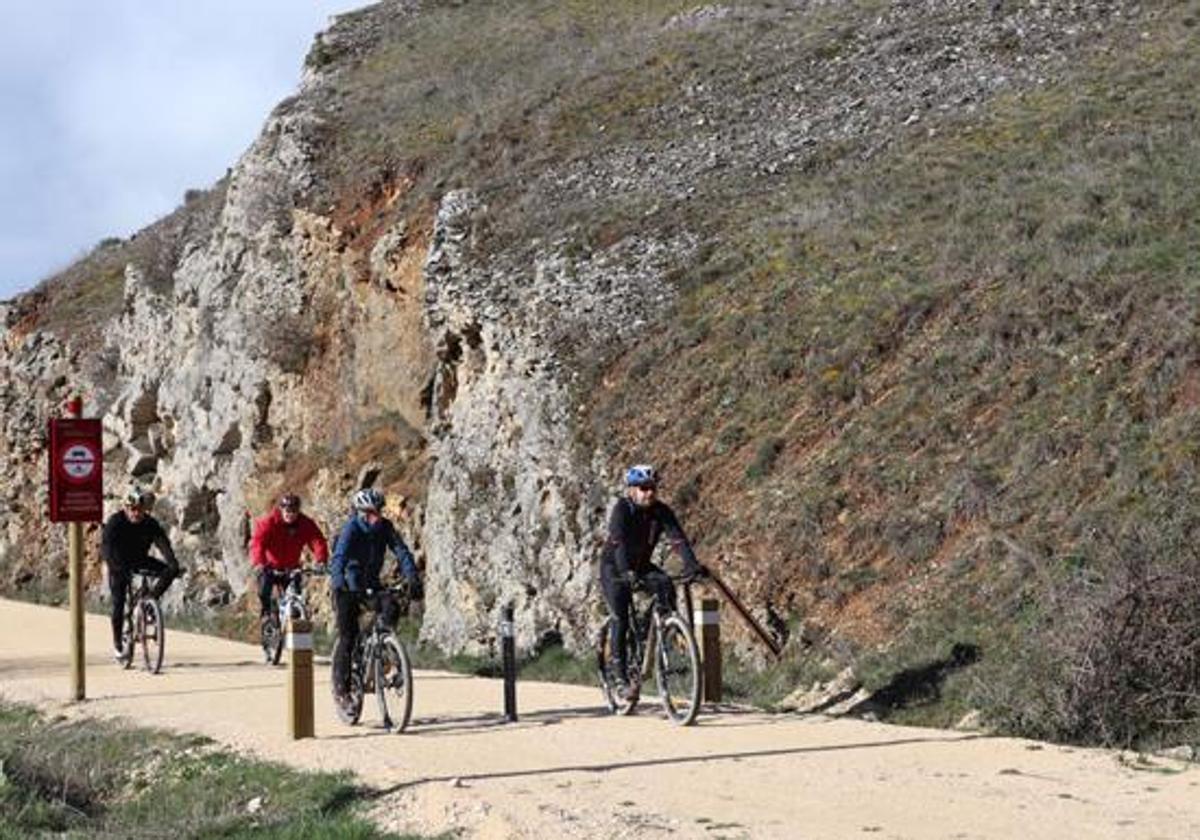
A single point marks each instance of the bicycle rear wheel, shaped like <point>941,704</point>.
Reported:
<point>152,633</point>
<point>677,671</point>
<point>393,684</point>
<point>617,702</point>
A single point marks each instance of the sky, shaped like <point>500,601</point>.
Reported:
<point>110,111</point>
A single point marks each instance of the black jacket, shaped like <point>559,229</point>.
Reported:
<point>633,533</point>
<point>124,543</point>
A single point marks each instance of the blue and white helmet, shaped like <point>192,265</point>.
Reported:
<point>368,499</point>
<point>641,475</point>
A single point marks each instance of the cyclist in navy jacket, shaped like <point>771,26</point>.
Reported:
<point>358,557</point>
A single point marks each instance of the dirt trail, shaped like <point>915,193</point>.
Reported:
<point>567,770</point>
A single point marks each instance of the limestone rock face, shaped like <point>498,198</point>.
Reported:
<point>514,512</point>
<point>35,368</point>
<point>197,360</point>
<point>260,345</point>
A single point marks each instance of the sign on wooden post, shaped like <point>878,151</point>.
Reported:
<point>75,469</point>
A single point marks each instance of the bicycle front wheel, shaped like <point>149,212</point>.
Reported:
<point>677,671</point>
<point>393,684</point>
<point>128,637</point>
<point>272,639</point>
<point>152,633</point>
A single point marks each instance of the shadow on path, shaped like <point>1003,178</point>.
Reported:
<point>665,762</point>
<point>181,692</point>
<point>466,725</point>
<point>917,686</point>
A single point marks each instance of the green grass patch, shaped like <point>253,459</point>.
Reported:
<point>85,778</point>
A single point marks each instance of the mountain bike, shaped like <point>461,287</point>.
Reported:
<point>288,604</point>
<point>379,663</point>
<point>144,626</point>
<point>660,639</point>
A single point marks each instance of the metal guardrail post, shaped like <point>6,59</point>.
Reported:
<point>300,679</point>
<point>707,622</point>
<point>508,649</point>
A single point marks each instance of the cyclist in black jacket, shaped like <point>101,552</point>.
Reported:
<point>125,546</point>
<point>634,527</point>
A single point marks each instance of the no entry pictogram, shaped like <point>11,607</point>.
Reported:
<point>79,462</point>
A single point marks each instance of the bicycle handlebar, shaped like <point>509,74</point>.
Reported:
<point>642,586</point>
<point>402,588</point>
<point>306,571</point>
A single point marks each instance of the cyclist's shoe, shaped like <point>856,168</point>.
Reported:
<point>118,655</point>
<point>623,689</point>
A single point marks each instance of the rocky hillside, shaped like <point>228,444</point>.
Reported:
<point>900,294</point>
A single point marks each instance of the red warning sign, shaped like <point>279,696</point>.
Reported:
<point>76,471</point>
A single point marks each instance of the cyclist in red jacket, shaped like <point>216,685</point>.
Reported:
<point>279,539</point>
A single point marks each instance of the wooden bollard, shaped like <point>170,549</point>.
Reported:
<point>300,679</point>
<point>707,622</point>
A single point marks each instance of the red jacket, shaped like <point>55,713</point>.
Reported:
<point>277,545</point>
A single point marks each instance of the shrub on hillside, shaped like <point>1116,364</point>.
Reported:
<point>1118,660</point>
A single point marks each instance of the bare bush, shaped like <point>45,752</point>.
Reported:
<point>1118,660</point>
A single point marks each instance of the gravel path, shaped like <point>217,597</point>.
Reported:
<point>568,770</point>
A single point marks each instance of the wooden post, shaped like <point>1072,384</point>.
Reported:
<point>75,563</point>
<point>707,620</point>
<point>74,409</point>
<point>300,679</point>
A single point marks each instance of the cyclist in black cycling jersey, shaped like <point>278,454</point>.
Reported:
<point>125,546</point>
<point>634,527</point>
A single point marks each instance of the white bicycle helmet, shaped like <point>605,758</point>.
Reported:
<point>368,499</point>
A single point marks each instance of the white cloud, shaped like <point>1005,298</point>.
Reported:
<point>109,111</point>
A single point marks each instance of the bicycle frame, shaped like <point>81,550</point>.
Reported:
<point>291,602</point>
<point>370,641</point>
<point>649,628</point>
<point>646,635</point>
<point>659,642</point>
<point>142,608</point>
<point>287,592</point>
<point>376,670</point>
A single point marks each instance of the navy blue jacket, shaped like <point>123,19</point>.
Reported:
<point>358,554</point>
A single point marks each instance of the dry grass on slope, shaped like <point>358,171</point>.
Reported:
<point>927,396</point>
